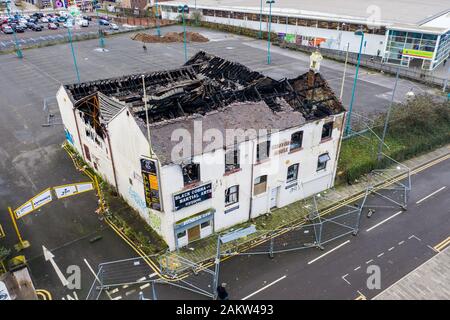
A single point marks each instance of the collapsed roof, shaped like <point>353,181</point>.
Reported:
<point>207,85</point>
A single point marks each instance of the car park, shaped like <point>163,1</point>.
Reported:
<point>34,27</point>
<point>114,26</point>
<point>103,22</point>
<point>52,26</point>
<point>17,28</point>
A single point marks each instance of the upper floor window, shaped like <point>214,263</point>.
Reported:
<point>322,161</point>
<point>260,185</point>
<point>296,140</point>
<point>232,195</point>
<point>292,173</point>
<point>327,129</point>
<point>232,159</point>
<point>262,150</point>
<point>191,173</point>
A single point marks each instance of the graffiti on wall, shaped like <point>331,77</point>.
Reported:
<point>154,220</point>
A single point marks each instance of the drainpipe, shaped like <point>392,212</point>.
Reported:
<point>251,182</point>
<point>78,133</point>
<point>112,160</point>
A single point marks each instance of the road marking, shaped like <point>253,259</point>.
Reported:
<point>154,274</point>
<point>385,220</point>
<point>117,298</point>
<point>380,255</point>
<point>431,194</point>
<point>401,242</point>
<point>390,249</point>
<point>441,245</point>
<point>319,257</point>
<point>114,291</point>
<point>264,288</point>
<point>95,276</point>
<point>432,248</point>
<point>369,261</point>
<point>141,279</point>
<point>343,278</point>
<point>144,286</point>
<point>361,296</point>
<point>125,286</point>
<point>413,236</point>
<point>357,268</point>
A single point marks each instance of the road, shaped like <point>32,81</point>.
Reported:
<point>31,158</point>
<point>395,241</point>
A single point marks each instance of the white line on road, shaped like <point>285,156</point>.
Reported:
<point>385,220</point>
<point>144,286</point>
<point>413,236</point>
<point>95,276</point>
<point>130,292</point>
<point>380,255</point>
<point>431,194</point>
<point>263,288</point>
<point>117,298</point>
<point>114,291</point>
<point>154,274</point>
<point>369,261</point>
<point>391,248</point>
<point>141,279</point>
<point>125,286</point>
<point>401,242</point>
<point>343,278</point>
<point>319,257</point>
<point>432,248</point>
<point>357,268</point>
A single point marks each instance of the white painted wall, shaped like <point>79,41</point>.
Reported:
<point>66,110</point>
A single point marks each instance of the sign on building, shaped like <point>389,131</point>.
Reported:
<point>151,185</point>
<point>4,294</point>
<point>188,198</point>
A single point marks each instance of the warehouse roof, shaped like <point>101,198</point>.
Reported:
<point>398,11</point>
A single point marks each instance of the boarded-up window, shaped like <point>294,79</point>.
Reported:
<point>260,185</point>
<point>87,153</point>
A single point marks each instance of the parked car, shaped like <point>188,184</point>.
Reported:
<point>52,26</point>
<point>103,22</point>
<point>88,18</point>
<point>44,20</point>
<point>35,27</point>
<point>61,19</point>
<point>68,24</point>
<point>17,28</point>
<point>114,26</point>
<point>7,29</point>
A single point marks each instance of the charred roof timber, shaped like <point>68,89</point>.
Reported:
<point>206,83</point>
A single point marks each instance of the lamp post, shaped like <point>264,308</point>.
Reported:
<point>260,20</point>
<point>182,10</point>
<point>348,125</point>
<point>73,53</point>
<point>18,51</point>
<point>158,28</point>
<point>269,2</point>
<point>100,31</point>
<point>386,121</point>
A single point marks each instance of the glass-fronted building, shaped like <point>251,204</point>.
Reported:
<point>425,46</point>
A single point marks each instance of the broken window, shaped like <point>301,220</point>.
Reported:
<point>327,129</point>
<point>232,159</point>
<point>262,150</point>
<point>232,195</point>
<point>260,185</point>
<point>292,173</point>
<point>322,161</point>
<point>296,140</point>
<point>191,173</point>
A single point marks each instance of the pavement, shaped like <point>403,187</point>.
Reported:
<point>430,281</point>
<point>31,158</point>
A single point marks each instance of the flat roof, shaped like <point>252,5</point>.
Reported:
<point>398,11</point>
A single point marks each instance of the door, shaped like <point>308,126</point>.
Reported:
<point>274,198</point>
<point>194,233</point>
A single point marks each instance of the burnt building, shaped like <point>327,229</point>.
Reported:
<point>208,145</point>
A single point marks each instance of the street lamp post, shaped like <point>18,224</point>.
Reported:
<point>386,121</point>
<point>100,31</point>
<point>260,20</point>
<point>182,10</point>
<point>158,28</point>
<point>18,51</point>
<point>73,54</point>
<point>269,2</point>
<point>348,125</point>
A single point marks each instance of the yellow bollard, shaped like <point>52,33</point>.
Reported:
<point>23,244</point>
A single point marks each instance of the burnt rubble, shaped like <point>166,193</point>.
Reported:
<point>208,83</point>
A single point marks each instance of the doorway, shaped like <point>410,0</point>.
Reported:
<point>194,233</point>
<point>274,197</point>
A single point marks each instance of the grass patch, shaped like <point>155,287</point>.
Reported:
<point>417,126</point>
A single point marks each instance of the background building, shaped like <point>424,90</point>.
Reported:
<point>285,148</point>
<point>401,32</point>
